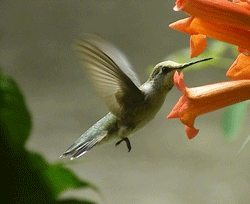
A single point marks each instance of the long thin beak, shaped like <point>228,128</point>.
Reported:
<point>194,62</point>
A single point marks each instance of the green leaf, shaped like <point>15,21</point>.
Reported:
<point>57,177</point>
<point>216,48</point>
<point>244,144</point>
<point>15,119</point>
<point>61,179</point>
<point>233,119</point>
<point>73,201</point>
<point>27,177</point>
<point>22,183</point>
<point>14,115</point>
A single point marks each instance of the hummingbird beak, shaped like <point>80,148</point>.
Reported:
<point>193,62</point>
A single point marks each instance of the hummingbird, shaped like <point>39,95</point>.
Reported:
<point>131,105</point>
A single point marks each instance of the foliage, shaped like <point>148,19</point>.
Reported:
<point>233,119</point>
<point>27,177</point>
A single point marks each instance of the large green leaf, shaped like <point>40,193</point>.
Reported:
<point>27,177</point>
<point>57,177</point>
<point>14,116</point>
<point>233,119</point>
<point>21,183</point>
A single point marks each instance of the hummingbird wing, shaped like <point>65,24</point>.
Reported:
<point>110,73</point>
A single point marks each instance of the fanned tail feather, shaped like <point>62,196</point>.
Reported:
<point>80,147</point>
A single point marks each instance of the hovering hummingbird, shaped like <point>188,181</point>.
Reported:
<point>131,106</point>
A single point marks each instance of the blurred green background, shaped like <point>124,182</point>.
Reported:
<point>163,166</point>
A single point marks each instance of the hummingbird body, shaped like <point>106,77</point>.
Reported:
<point>131,106</point>
<point>112,128</point>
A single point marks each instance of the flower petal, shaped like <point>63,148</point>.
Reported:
<point>240,69</point>
<point>179,81</point>
<point>198,43</point>
<point>222,12</point>
<point>191,132</point>
<point>229,34</point>
<point>243,50</point>
<point>182,103</point>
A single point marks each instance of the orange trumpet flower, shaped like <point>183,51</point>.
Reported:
<point>225,33</point>
<point>219,11</point>
<point>199,100</point>
<point>219,19</point>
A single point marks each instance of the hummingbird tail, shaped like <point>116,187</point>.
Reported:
<point>81,146</point>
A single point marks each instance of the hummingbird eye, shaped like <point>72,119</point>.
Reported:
<point>165,70</point>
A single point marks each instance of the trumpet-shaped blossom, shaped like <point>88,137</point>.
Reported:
<point>199,100</point>
<point>225,33</point>
<point>240,69</point>
<point>225,21</point>
<point>219,11</point>
<point>219,19</point>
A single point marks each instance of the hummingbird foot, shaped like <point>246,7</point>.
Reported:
<point>127,142</point>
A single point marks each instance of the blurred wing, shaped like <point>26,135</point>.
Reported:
<point>110,73</point>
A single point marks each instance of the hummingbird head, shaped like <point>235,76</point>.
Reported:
<point>162,74</point>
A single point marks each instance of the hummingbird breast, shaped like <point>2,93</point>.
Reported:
<point>137,117</point>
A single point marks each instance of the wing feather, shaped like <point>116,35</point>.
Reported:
<point>110,73</point>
